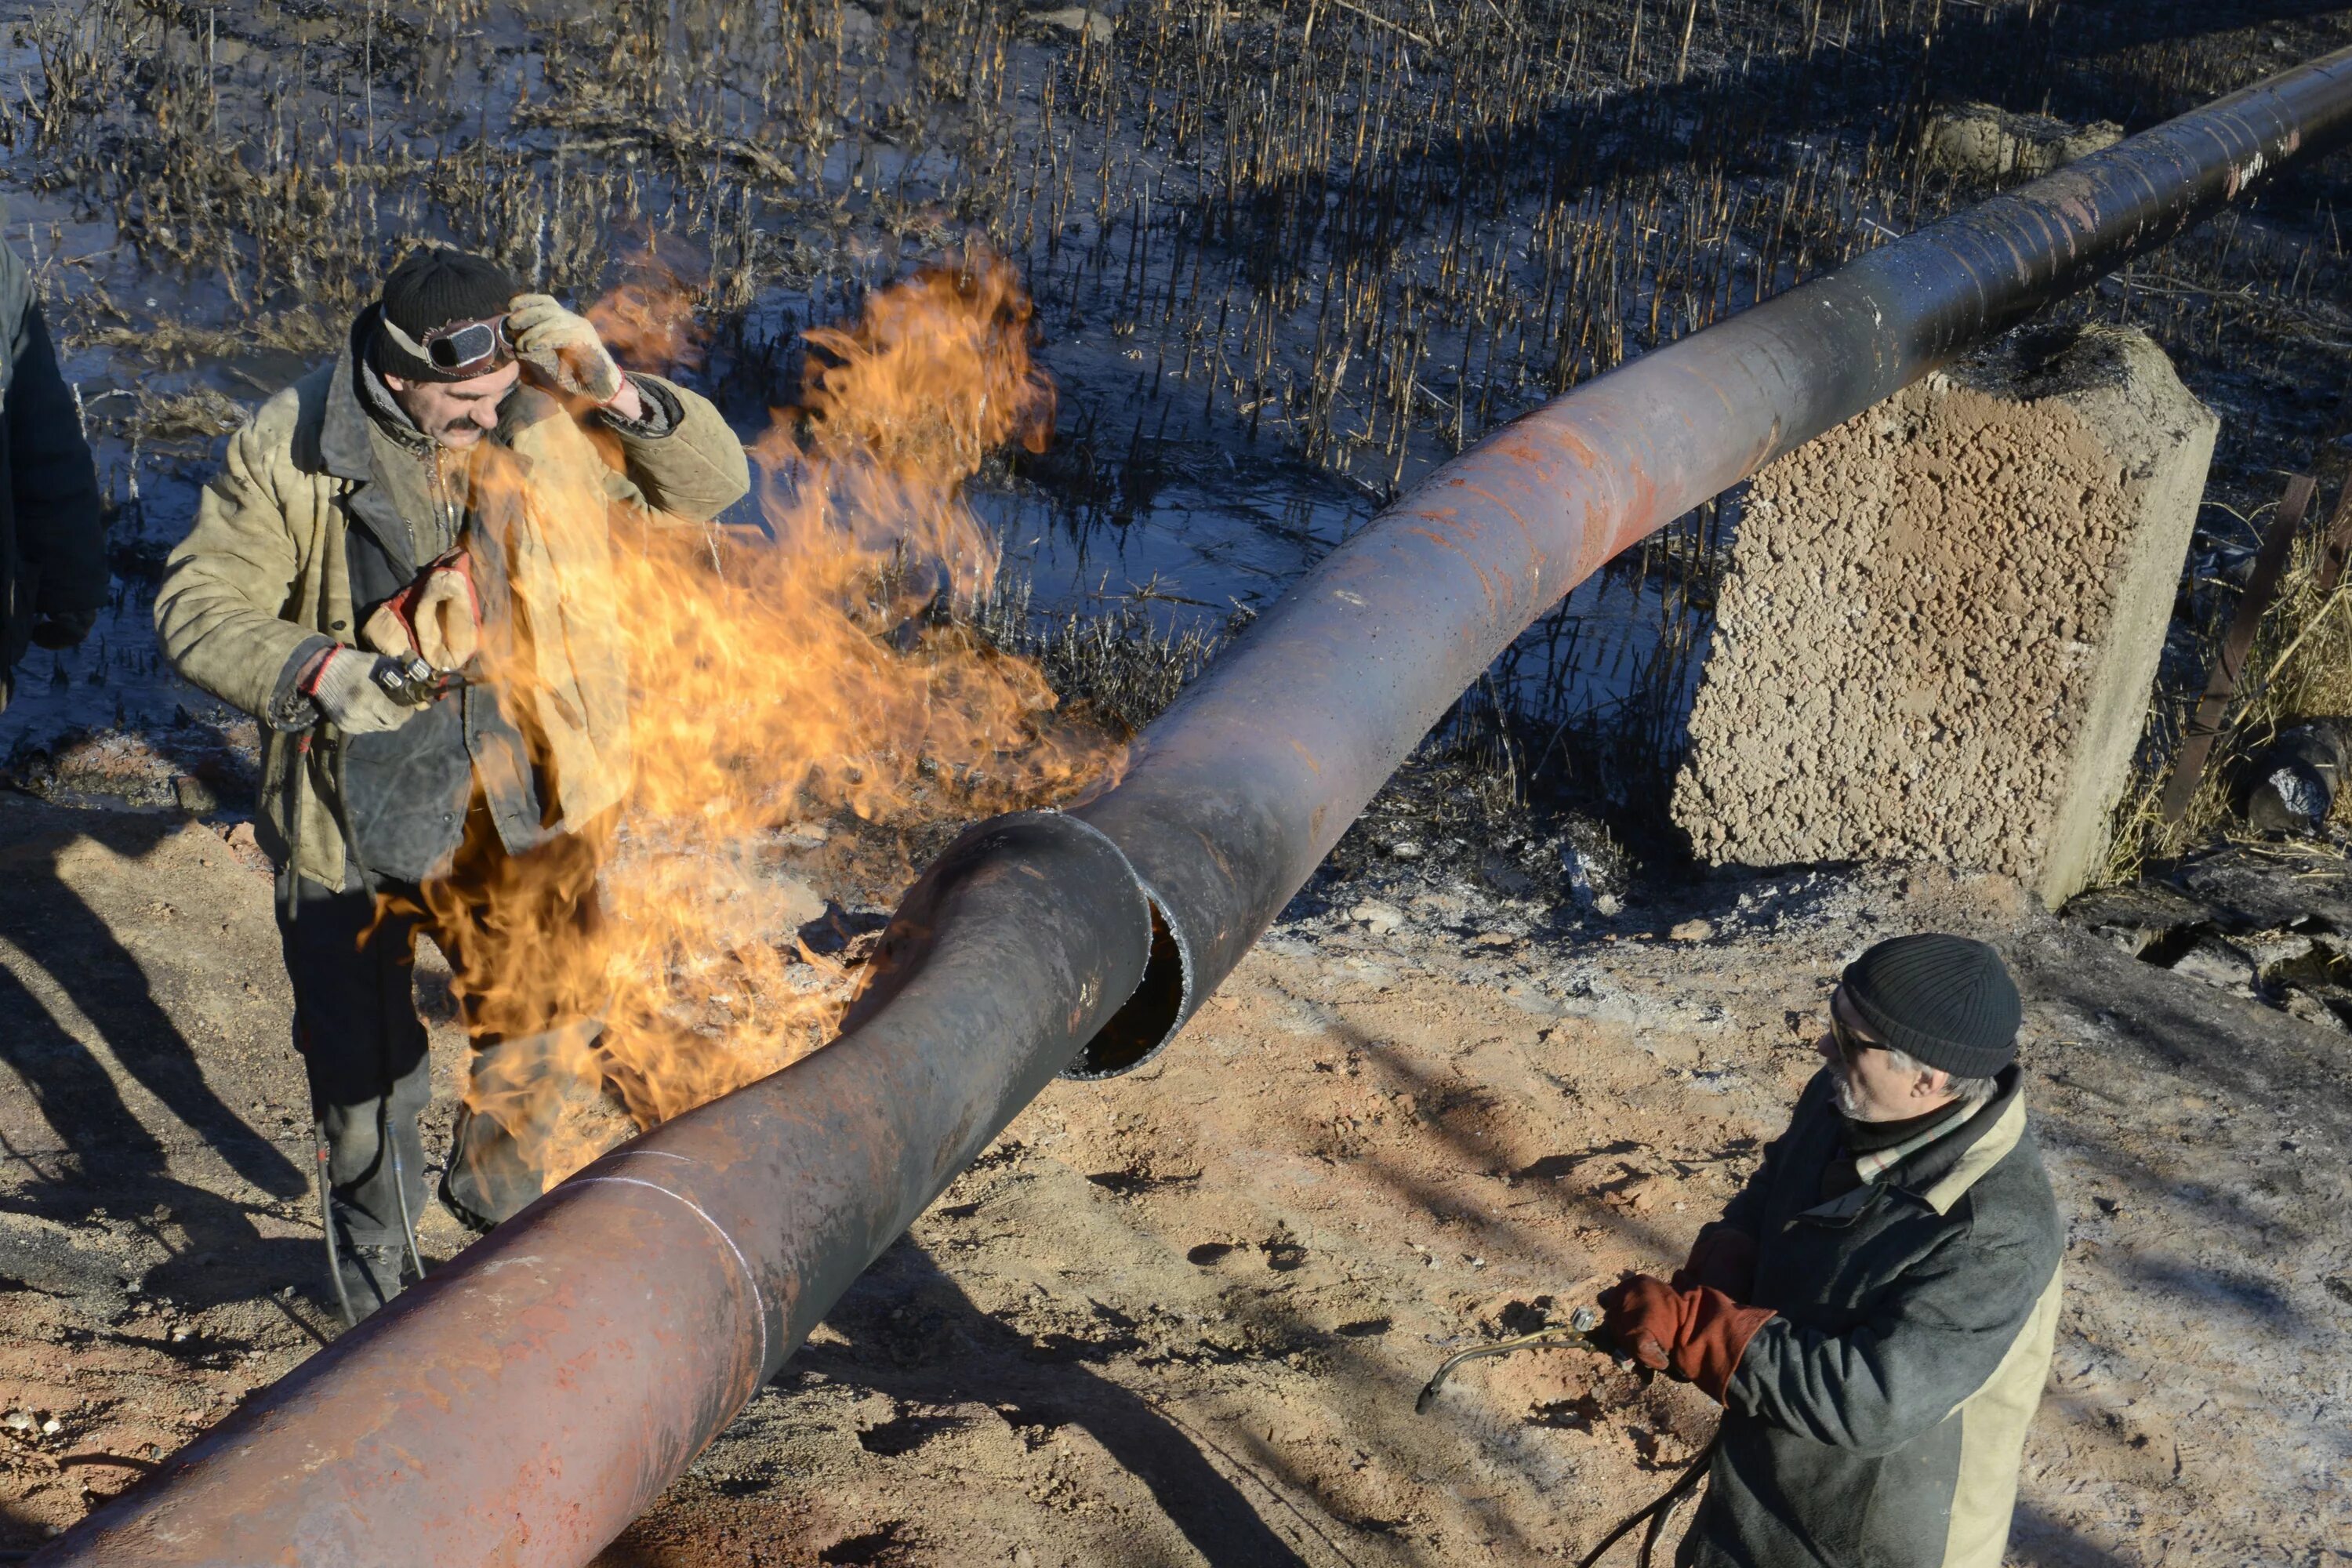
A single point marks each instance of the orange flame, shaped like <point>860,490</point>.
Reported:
<point>647,323</point>
<point>771,683</point>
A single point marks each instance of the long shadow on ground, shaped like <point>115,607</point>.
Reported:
<point>107,1159</point>
<point>915,1335</point>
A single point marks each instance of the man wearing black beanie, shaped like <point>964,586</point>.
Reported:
<point>1875,1309</point>
<point>400,569</point>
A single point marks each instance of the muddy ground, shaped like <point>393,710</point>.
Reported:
<point>1181,1317</point>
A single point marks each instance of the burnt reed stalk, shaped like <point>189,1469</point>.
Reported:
<point>1360,235</point>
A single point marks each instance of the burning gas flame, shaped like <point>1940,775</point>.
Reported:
<point>772,683</point>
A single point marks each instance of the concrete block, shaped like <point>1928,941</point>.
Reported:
<point>1941,620</point>
<point>1980,142</point>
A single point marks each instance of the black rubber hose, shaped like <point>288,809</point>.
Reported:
<point>326,1224</point>
<point>1656,1512</point>
<point>399,1182</point>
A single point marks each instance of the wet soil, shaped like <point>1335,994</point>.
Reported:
<point>1286,258</point>
<point>1181,1317</point>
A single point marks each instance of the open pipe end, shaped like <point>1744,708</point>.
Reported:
<point>1150,1017</point>
<point>1154,1010</point>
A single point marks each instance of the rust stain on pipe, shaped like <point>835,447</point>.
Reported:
<point>529,1398</point>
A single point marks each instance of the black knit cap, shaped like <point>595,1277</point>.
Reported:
<point>1947,1001</point>
<point>432,288</point>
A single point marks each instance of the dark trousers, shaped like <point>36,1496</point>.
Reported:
<point>509,925</point>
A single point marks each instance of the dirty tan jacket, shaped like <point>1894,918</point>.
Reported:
<point>262,581</point>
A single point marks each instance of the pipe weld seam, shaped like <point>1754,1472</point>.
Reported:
<point>1143,888</point>
<point>759,1301</point>
<point>1152,903</point>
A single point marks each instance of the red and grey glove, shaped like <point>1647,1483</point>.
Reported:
<point>562,350</point>
<point>1697,1335</point>
<point>435,619</point>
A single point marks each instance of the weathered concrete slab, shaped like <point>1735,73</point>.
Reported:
<point>1980,141</point>
<point>1943,617</point>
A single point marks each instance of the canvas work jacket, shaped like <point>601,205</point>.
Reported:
<point>1878,1421</point>
<point>52,539</point>
<point>321,511</point>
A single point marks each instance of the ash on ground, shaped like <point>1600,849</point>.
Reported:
<point>1181,1316</point>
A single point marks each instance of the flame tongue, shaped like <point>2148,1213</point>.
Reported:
<point>769,681</point>
<point>934,377</point>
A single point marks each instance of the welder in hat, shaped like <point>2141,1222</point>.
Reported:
<point>1875,1309</point>
<point>394,571</point>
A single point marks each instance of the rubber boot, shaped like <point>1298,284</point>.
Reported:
<point>489,1178</point>
<point>370,1275</point>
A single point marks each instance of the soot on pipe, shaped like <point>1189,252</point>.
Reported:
<point>531,1397</point>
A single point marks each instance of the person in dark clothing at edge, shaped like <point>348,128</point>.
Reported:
<point>1875,1309</point>
<point>443,492</point>
<point>52,576</point>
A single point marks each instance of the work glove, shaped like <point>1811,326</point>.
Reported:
<point>561,348</point>
<point>1723,1259</point>
<point>65,630</point>
<point>435,619</point>
<point>346,686</point>
<point>1697,1335</point>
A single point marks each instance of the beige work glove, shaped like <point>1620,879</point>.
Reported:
<point>344,687</point>
<point>561,348</point>
<point>436,618</point>
<point>447,619</point>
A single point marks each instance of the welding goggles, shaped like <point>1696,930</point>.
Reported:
<point>459,349</point>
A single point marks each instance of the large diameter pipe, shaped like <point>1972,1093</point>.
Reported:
<point>1237,794</point>
<point>527,1401</point>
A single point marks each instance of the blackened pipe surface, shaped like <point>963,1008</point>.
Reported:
<point>535,1395</point>
<point>1237,792</point>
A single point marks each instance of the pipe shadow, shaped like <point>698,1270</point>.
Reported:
<point>2140,1017</point>
<point>1475,1149</point>
<point>2179,1025</point>
<point>1448,1113</point>
<point>2016,58</point>
<point>913,1334</point>
<point>2126,1170</point>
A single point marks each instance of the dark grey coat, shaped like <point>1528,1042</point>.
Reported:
<point>1877,1422</point>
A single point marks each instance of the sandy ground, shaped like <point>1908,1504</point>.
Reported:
<point>1181,1318</point>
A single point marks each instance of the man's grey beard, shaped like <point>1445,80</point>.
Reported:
<point>1841,1091</point>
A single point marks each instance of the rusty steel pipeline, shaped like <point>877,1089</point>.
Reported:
<point>531,1398</point>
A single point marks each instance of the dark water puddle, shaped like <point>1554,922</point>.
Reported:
<point>1262,324</point>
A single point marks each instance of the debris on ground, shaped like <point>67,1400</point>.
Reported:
<point>1182,1316</point>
